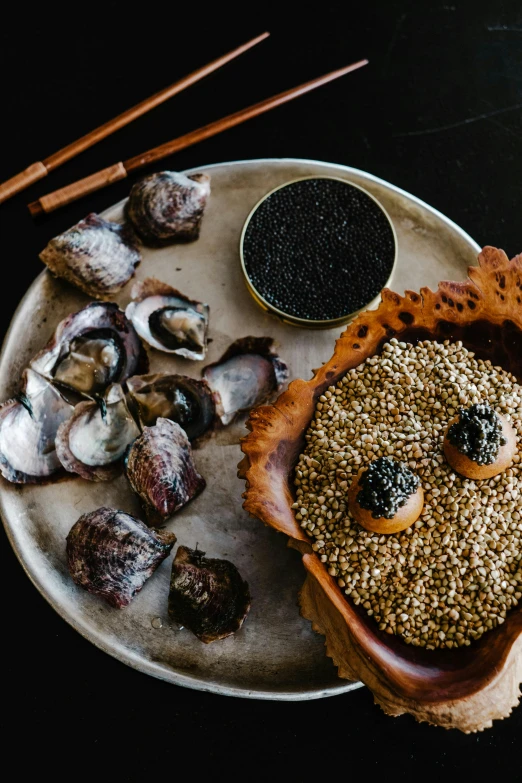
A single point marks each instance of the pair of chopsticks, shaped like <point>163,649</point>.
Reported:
<point>104,177</point>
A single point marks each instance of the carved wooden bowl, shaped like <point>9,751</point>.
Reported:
<point>467,687</point>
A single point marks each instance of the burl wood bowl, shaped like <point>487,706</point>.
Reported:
<point>467,687</point>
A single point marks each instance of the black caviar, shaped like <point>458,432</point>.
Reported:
<point>478,434</point>
<point>386,486</point>
<point>318,249</point>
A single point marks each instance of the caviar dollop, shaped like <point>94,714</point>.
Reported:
<point>386,485</point>
<point>478,434</point>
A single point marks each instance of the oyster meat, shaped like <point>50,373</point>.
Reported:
<point>168,206</point>
<point>160,469</point>
<point>207,596</point>
<point>248,373</point>
<point>91,349</point>
<point>93,441</point>
<point>112,554</point>
<point>168,320</point>
<point>96,255</point>
<point>28,427</point>
<point>187,401</point>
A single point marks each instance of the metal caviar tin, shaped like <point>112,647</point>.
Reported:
<point>316,251</point>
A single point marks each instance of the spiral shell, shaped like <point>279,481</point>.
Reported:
<point>207,596</point>
<point>160,469</point>
<point>96,255</point>
<point>168,206</point>
<point>112,554</point>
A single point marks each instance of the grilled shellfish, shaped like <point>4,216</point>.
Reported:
<point>160,469</point>
<point>91,349</point>
<point>93,441</point>
<point>208,596</point>
<point>248,373</point>
<point>168,206</point>
<point>28,427</point>
<point>112,554</point>
<point>187,401</point>
<point>96,255</point>
<point>168,320</point>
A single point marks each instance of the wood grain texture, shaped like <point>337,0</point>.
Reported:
<point>38,170</point>
<point>101,179</point>
<point>213,128</point>
<point>62,196</point>
<point>464,688</point>
<point>65,154</point>
<point>22,181</point>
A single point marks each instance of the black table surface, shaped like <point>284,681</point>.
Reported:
<point>438,112</point>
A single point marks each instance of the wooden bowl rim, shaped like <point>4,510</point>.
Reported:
<point>411,673</point>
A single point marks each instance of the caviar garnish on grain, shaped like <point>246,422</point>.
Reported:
<point>478,434</point>
<point>386,486</point>
<point>318,249</point>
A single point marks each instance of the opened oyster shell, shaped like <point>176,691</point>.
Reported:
<point>112,554</point>
<point>91,349</point>
<point>96,255</point>
<point>168,206</point>
<point>187,401</point>
<point>207,596</point>
<point>168,320</point>
<point>160,469</point>
<point>28,427</point>
<point>93,441</point>
<point>248,373</point>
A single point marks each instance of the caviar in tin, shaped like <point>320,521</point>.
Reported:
<point>318,249</point>
<point>478,434</point>
<point>386,485</point>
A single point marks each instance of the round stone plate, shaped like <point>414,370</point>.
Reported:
<point>275,655</point>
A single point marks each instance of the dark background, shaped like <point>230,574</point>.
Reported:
<point>437,112</point>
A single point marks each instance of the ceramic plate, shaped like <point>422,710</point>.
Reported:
<point>275,655</point>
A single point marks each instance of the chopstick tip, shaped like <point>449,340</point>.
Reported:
<point>35,208</point>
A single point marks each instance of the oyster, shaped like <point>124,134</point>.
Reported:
<point>93,441</point>
<point>187,401</point>
<point>96,255</point>
<point>161,471</point>
<point>247,374</point>
<point>168,320</point>
<point>28,426</point>
<point>168,206</point>
<point>112,554</point>
<point>91,349</point>
<point>208,596</point>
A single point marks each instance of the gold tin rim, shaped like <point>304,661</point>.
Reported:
<point>306,322</point>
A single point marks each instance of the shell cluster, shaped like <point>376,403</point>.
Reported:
<point>89,407</point>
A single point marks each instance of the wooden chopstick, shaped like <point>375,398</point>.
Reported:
<point>104,177</point>
<point>40,169</point>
